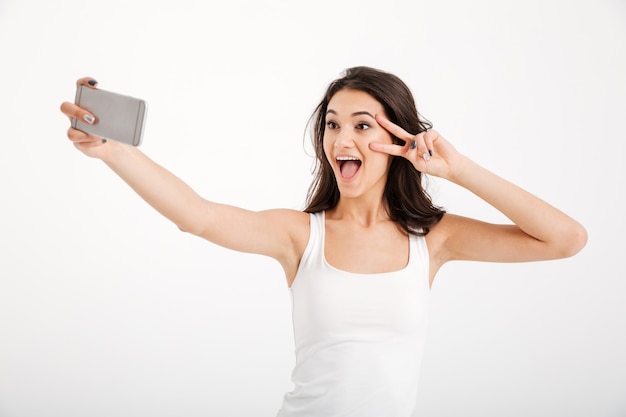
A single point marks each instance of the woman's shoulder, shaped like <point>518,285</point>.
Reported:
<point>295,221</point>
<point>445,227</point>
<point>290,216</point>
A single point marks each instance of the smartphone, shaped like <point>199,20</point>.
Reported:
<point>118,117</point>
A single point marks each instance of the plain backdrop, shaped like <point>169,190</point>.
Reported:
<point>107,309</point>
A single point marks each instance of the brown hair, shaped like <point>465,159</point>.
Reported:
<point>406,201</point>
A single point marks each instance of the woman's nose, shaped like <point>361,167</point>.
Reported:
<point>344,140</point>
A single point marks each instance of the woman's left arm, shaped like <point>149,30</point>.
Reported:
<point>539,230</point>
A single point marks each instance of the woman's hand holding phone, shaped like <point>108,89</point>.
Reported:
<point>98,115</point>
<point>88,144</point>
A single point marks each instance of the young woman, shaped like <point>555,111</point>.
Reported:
<point>361,258</point>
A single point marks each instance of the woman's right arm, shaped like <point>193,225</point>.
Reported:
<point>275,233</point>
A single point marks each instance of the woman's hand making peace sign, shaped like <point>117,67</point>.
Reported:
<point>429,152</point>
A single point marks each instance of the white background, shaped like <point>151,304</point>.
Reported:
<point>106,309</point>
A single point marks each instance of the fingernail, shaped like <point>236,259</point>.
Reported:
<point>92,83</point>
<point>89,118</point>
<point>413,144</point>
<point>426,156</point>
<point>430,152</point>
<point>104,141</point>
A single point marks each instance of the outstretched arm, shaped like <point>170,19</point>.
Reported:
<point>272,233</point>
<point>539,230</point>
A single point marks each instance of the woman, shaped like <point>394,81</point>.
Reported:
<point>360,260</point>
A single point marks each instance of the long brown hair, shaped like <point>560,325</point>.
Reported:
<point>406,200</point>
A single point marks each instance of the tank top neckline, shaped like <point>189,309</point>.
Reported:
<point>322,228</point>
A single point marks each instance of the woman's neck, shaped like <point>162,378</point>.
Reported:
<point>359,210</point>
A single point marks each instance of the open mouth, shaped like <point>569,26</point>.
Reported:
<point>348,166</point>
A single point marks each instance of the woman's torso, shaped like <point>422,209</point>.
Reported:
<point>359,336</point>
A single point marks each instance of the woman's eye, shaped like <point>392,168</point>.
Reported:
<point>362,126</point>
<point>331,125</point>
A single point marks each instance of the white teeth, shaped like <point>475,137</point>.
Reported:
<point>347,158</point>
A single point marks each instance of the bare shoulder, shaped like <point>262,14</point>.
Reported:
<point>451,225</point>
<point>296,222</point>
<point>288,217</point>
<point>454,232</point>
<point>440,232</point>
<point>450,235</point>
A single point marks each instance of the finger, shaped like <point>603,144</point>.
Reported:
<point>78,136</point>
<point>86,145</point>
<point>393,128</point>
<point>387,148</point>
<point>419,144</point>
<point>87,81</point>
<point>72,111</point>
<point>429,138</point>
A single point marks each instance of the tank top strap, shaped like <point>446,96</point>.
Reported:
<point>419,251</point>
<point>313,253</point>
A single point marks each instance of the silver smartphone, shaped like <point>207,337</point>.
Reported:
<point>118,117</point>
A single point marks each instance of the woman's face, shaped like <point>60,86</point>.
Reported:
<point>350,128</point>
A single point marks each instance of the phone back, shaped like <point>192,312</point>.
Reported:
<point>118,117</point>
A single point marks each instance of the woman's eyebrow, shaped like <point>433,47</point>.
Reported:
<point>357,113</point>
<point>360,113</point>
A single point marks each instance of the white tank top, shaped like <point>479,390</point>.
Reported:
<point>359,338</point>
